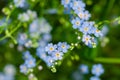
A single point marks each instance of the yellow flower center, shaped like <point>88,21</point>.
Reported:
<point>86,28</point>
<point>51,48</point>
<point>77,23</point>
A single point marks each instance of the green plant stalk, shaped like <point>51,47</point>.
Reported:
<point>10,33</point>
<point>108,60</point>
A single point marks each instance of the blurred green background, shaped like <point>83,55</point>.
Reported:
<point>100,10</point>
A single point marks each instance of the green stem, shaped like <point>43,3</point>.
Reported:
<point>15,29</point>
<point>108,60</point>
<point>9,15</point>
<point>11,33</point>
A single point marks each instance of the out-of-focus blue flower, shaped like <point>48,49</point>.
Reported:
<point>9,70</point>
<point>94,78</point>
<point>38,27</point>
<point>30,63</point>
<point>50,48</point>
<point>27,16</point>
<point>2,76</point>
<point>27,55</point>
<point>32,14</point>
<point>28,43</point>
<point>41,53</point>
<point>34,26</point>
<point>22,38</point>
<point>23,69</point>
<point>77,22</point>
<point>49,61</point>
<point>66,3</point>
<point>47,37</point>
<point>19,3</point>
<point>84,69</point>
<point>42,43</point>
<point>97,69</point>
<point>63,46</point>
<point>23,17</point>
<point>67,10</point>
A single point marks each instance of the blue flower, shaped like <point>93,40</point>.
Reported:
<point>86,39</point>
<point>23,17</point>
<point>84,15</point>
<point>85,28</point>
<point>63,46</point>
<point>50,48</point>
<point>49,61</point>
<point>27,55</point>
<point>41,53</point>
<point>84,69</point>
<point>94,78</point>
<point>76,22</point>
<point>97,69</point>
<point>33,26</point>
<point>47,37</point>
<point>65,3</point>
<point>19,3</point>
<point>57,55</point>
<point>23,68</point>
<point>30,63</point>
<point>77,5</point>
<point>22,38</point>
<point>97,32</point>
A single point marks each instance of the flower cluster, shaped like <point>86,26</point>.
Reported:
<point>52,53</point>
<point>27,16</point>
<point>9,73</point>
<point>38,34</point>
<point>96,70</point>
<point>81,23</point>
<point>30,62</point>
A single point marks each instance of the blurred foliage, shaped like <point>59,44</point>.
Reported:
<point>62,31</point>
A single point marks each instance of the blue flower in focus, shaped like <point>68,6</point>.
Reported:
<point>94,78</point>
<point>63,46</point>
<point>84,69</point>
<point>97,69</point>
<point>86,39</point>
<point>23,68</point>
<point>85,28</point>
<point>19,3</point>
<point>30,63</point>
<point>76,22</point>
<point>84,15</point>
<point>97,32</point>
<point>57,55</point>
<point>50,48</point>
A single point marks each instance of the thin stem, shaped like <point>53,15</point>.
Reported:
<point>11,33</point>
<point>108,60</point>
<point>15,29</point>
